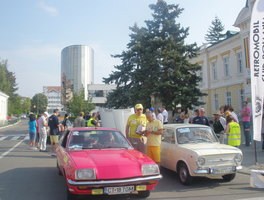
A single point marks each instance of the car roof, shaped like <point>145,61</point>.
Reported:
<point>181,125</point>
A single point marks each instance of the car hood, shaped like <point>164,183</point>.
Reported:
<point>210,149</point>
<point>111,164</point>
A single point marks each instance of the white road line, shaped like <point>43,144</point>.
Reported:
<point>2,138</point>
<point>7,152</point>
<point>15,137</point>
<point>27,137</point>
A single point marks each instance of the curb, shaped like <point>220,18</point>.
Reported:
<point>2,127</point>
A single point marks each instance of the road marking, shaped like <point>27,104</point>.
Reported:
<point>15,137</point>
<point>7,152</point>
<point>2,138</point>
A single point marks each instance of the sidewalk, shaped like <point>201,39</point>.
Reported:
<point>249,162</point>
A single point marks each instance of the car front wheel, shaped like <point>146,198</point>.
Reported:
<point>184,175</point>
<point>143,194</point>
<point>229,177</point>
<point>70,196</point>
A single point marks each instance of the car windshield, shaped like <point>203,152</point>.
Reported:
<point>195,135</point>
<point>97,139</point>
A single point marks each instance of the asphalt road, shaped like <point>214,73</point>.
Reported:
<point>29,174</point>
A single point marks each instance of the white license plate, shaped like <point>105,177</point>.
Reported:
<point>222,171</point>
<point>119,190</point>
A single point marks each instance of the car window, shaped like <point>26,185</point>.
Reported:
<point>195,135</point>
<point>168,136</point>
<point>97,139</point>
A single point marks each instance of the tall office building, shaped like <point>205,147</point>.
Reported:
<point>77,70</point>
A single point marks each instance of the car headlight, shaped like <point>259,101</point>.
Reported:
<point>150,169</point>
<point>238,158</point>
<point>201,161</point>
<point>85,174</point>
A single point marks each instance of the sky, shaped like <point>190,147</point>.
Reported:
<point>33,32</point>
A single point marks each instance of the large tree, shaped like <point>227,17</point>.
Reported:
<point>39,103</point>
<point>78,104</point>
<point>214,33</point>
<point>156,63</point>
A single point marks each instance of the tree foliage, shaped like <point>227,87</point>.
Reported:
<point>78,104</point>
<point>156,63</point>
<point>8,86</point>
<point>39,103</point>
<point>214,33</point>
<point>26,105</point>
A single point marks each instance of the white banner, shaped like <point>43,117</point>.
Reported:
<point>257,66</point>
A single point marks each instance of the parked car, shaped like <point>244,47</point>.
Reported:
<point>193,150</point>
<point>101,161</point>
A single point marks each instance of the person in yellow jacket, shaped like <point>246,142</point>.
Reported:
<point>136,125</point>
<point>233,132</point>
<point>93,121</point>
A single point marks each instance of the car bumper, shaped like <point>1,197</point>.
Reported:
<point>217,171</point>
<point>100,183</point>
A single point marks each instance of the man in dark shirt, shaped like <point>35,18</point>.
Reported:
<point>54,131</point>
<point>201,119</point>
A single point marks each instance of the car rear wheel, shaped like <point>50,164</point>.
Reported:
<point>184,175</point>
<point>229,177</point>
<point>143,194</point>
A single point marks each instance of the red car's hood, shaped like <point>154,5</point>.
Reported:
<point>111,164</point>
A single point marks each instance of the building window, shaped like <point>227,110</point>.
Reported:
<point>239,62</point>
<point>242,98</point>
<point>228,98</point>
<point>214,70</point>
<point>226,66</point>
<point>216,102</point>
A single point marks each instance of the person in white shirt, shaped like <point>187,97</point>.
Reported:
<point>165,115</point>
<point>159,115</point>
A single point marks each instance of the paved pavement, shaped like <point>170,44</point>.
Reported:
<point>250,161</point>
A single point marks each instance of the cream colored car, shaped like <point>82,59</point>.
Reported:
<point>193,150</point>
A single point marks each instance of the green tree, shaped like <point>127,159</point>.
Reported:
<point>156,63</point>
<point>8,85</point>
<point>14,105</point>
<point>78,104</point>
<point>25,105</point>
<point>214,33</point>
<point>39,103</point>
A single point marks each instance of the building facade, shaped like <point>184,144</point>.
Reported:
<point>77,70</point>
<point>53,94</point>
<point>225,67</point>
<point>3,108</point>
<point>98,93</point>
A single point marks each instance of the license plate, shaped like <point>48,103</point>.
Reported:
<point>119,190</point>
<point>222,171</point>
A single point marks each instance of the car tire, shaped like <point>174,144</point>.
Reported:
<point>70,196</point>
<point>143,194</point>
<point>58,169</point>
<point>184,175</point>
<point>229,177</point>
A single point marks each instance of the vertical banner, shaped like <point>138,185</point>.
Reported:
<point>257,66</point>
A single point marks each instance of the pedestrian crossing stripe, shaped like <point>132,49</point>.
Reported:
<point>14,138</point>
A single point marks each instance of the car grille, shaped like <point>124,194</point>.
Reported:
<point>222,159</point>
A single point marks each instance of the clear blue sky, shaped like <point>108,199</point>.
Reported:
<point>33,32</point>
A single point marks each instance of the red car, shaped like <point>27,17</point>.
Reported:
<point>101,161</point>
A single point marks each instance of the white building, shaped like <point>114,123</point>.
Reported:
<point>77,70</point>
<point>98,93</point>
<point>3,108</point>
<point>53,94</point>
<point>225,67</point>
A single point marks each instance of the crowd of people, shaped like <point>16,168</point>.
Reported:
<point>144,129</point>
<point>43,128</point>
